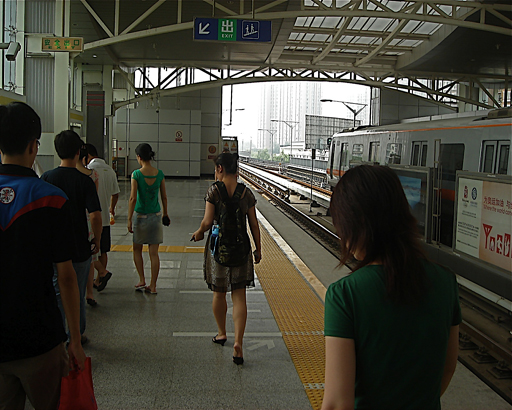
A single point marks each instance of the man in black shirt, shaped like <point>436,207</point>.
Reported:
<point>35,232</point>
<point>82,195</point>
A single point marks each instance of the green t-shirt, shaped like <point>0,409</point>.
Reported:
<point>400,350</point>
<point>147,195</point>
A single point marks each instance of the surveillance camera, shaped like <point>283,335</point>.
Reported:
<point>12,51</point>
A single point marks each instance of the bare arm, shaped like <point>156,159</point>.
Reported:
<point>113,202</point>
<point>97,228</point>
<point>71,302</point>
<point>163,194</point>
<point>131,204</point>
<point>451,358</point>
<point>340,374</point>
<point>255,231</point>
<point>206,223</point>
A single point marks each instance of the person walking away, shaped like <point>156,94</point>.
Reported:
<point>83,198</point>
<point>228,267</point>
<point>80,165</point>
<point>146,224</point>
<point>108,191</point>
<point>392,326</point>
<point>35,232</point>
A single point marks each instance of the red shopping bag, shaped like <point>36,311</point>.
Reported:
<point>76,390</point>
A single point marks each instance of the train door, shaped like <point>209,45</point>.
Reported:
<point>373,155</point>
<point>452,160</point>
<point>419,153</point>
<point>495,157</point>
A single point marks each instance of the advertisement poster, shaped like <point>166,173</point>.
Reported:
<point>484,221</point>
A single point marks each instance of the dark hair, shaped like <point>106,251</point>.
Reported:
<point>67,144</point>
<point>228,161</point>
<point>19,125</point>
<point>145,152</point>
<point>91,150</point>
<point>370,212</point>
<point>83,152</point>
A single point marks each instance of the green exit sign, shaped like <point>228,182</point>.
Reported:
<point>227,30</point>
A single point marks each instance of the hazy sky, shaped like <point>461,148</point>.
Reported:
<point>246,105</point>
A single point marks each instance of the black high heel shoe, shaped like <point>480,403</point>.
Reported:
<point>219,341</point>
<point>238,360</point>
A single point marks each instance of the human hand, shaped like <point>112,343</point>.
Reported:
<point>197,236</point>
<point>76,355</point>
<point>166,221</point>
<point>95,246</point>
<point>130,229</point>
<point>257,256</point>
<point>112,210</point>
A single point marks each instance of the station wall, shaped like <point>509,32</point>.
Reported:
<point>183,131</point>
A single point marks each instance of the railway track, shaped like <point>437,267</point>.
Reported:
<point>485,333</point>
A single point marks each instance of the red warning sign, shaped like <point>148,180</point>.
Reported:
<point>179,136</point>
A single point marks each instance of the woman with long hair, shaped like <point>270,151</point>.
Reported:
<point>222,279</point>
<point>146,227</point>
<point>391,327</point>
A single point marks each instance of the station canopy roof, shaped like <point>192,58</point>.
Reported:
<point>370,38</point>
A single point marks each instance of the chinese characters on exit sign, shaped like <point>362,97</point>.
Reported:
<point>62,44</point>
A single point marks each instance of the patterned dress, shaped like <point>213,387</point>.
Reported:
<point>222,278</point>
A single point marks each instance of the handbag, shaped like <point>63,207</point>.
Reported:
<point>76,390</point>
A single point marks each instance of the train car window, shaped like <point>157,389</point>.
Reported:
<point>357,152</point>
<point>419,153</point>
<point>452,160</point>
<point>504,159</point>
<point>374,152</point>
<point>488,158</point>
<point>393,153</point>
<point>424,150</point>
<point>415,158</point>
<point>343,156</point>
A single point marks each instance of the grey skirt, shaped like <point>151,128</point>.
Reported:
<point>147,229</point>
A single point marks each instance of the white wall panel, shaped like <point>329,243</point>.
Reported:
<point>210,135</point>
<point>167,132</point>
<point>174,151</point>
<point>195,117</point>
<point>141,116</point>
<point>175,168</point>
<point>190,103</point>
<point>122,115</point>
<point>195,168</point>
<point>144,132</point>
<point>211,105</point>
<point>195,152</point>
<point>195,133</point>
<point>174,117</point>
<point>210,120</point>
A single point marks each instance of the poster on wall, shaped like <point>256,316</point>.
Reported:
<point>484,221</point>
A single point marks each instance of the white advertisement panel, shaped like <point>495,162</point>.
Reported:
<point>484,221</point>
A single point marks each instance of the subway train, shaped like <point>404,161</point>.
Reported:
<point>479,143</point>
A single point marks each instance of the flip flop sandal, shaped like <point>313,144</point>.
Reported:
<point>103,281</point>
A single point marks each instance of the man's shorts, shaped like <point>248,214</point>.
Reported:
<point>105,240</point>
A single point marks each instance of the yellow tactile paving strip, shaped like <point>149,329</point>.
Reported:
<point>299,313</point>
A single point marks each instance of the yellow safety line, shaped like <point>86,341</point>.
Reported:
<point>299,313</point>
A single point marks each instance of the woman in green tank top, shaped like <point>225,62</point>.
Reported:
<point>146,226</point>
<point>391,326</point>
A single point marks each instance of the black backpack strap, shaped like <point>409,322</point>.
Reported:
<point>239,191</point>
<point>222,191</point>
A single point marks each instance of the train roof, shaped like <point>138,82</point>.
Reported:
<point>467,119</point>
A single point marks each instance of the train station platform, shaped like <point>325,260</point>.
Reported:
<point>155,351</point>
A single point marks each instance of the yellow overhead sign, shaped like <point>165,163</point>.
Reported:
<point>63,44</point>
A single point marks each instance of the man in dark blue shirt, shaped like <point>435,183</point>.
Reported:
<point>35,232</point>
<point>83,198</point>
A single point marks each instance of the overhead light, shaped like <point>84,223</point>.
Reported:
<point>94,56</point>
